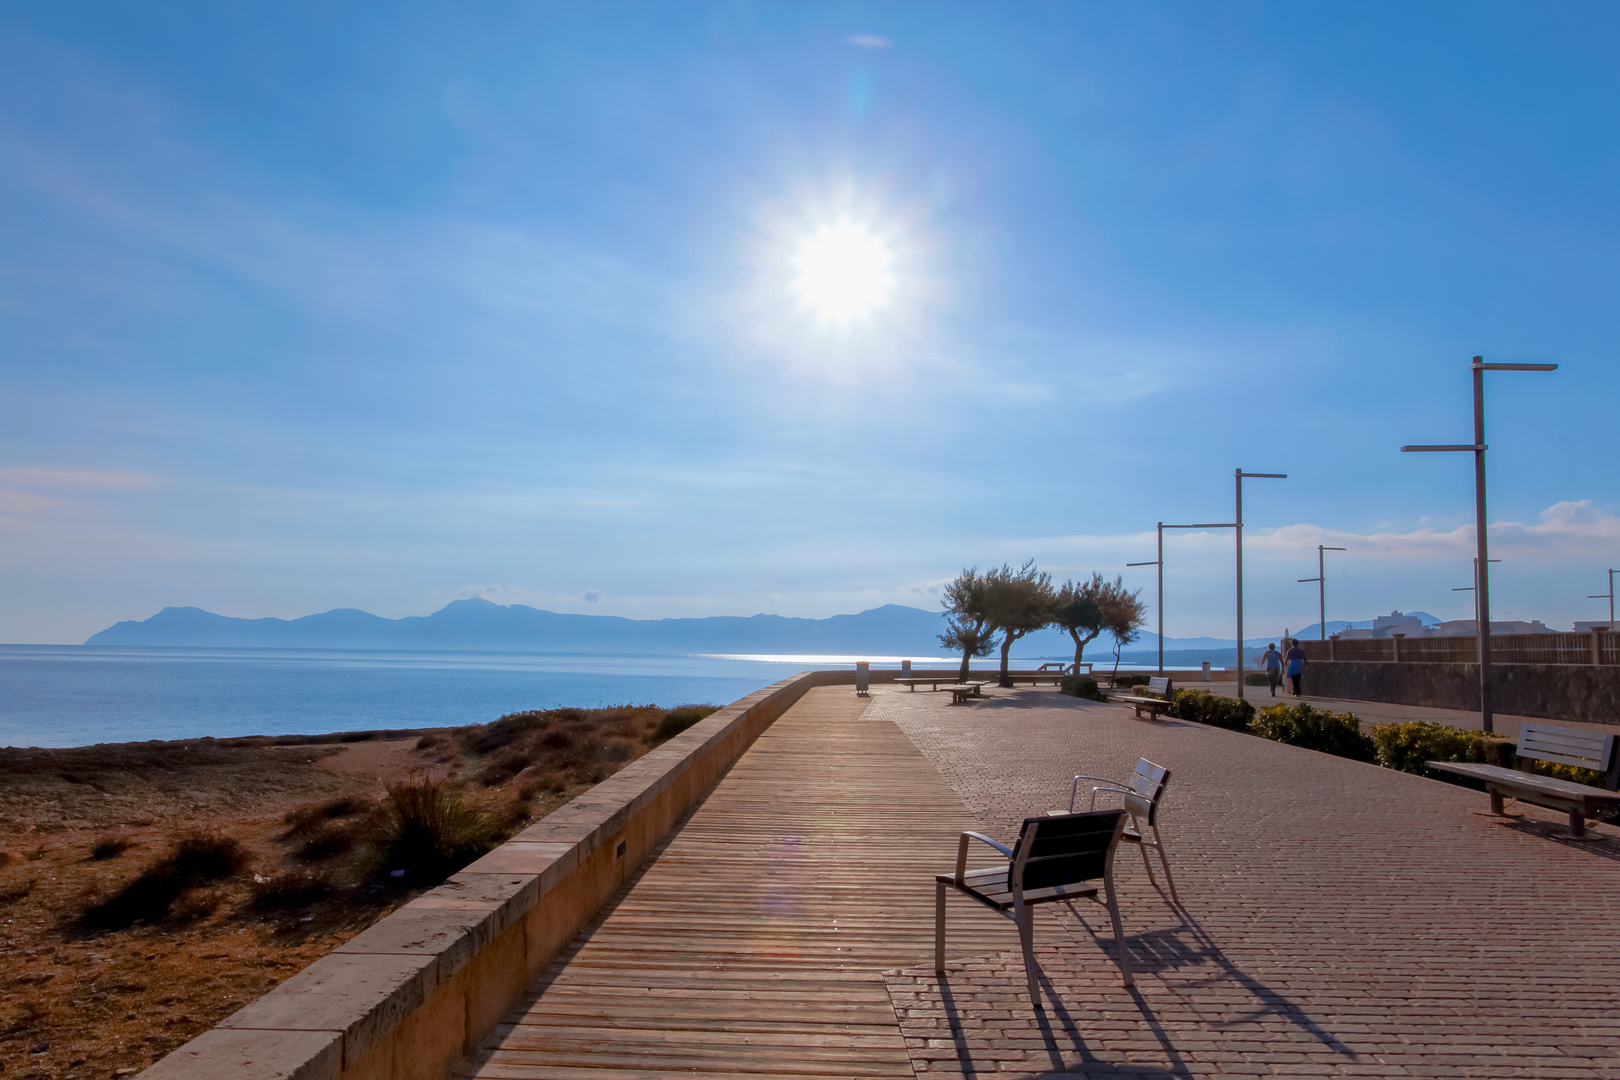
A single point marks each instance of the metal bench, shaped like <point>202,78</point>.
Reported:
<point>1565,746</point>
<point>1154,705</point>
<point>1056,859</point>
<point>1141,798</point>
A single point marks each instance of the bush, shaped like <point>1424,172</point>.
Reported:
<point>108,847</point>
<point>1134,678</point>
<point>425,832</point>
<point>291,891</point>
<point>1315,729</point>
<point>677,721</point>
<point>1258,678</point>
<point>1407,746</point>
<point>1082,686</point>
<point>198,859</point>
<point>1203,707</point>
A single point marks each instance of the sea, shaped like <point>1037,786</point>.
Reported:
<point>66,695</point>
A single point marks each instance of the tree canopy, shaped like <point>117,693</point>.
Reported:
<point>1018,602</point>
<point>967,625</point>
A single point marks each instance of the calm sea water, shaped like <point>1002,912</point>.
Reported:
<point>54,695</point>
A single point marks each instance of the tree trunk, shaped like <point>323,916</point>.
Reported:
<point>1007,638</point>
<point>962,676</point>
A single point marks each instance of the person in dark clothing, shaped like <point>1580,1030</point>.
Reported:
<point>1296,664</point>
<point>1272,662</point>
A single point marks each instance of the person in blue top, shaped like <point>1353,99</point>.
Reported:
<point>1272,662</point>
<point>1296,664</point>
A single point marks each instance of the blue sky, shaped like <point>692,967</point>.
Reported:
<point>377,306</point>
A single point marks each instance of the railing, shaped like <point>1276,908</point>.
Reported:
<point>1585,649</point>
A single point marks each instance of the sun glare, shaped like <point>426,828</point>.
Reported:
<point>843,272</point>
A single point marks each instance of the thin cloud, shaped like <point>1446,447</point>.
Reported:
<point>869,41</point>
<point>1567,529</point>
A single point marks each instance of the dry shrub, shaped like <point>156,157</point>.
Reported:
<point>294,890</point>
<point>197,860</point>
<point>10,894</point>
<point>326,842</point>
<point>425,832</point>
<point>678,720</point>
<point>109,847</point>
<point>315,816</point>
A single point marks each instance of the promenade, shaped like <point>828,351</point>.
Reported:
<point>1339,919</point>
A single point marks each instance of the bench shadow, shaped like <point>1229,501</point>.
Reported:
<point>1601,845</point>
<point>1188,946</point>
<point>1069,1029</point>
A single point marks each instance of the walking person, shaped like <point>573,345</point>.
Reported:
<point>1272,662</point>
<point>1296,664</point>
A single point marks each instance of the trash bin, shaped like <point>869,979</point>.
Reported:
<point>863,677</point>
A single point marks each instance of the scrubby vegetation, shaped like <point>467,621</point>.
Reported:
<point>1408,746</point>
<point>1314,729</point>
<point>1203,707</point>
<point>1082,686</point>
<point>199,860</point>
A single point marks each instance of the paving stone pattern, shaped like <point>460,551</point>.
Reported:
<point>1339,919</point>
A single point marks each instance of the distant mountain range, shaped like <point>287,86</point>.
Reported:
<point>891,630</point>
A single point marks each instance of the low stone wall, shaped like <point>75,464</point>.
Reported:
<point>412,995</point>
<point>1554,691</point>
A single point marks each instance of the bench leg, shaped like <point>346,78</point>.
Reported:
<point>1119,931</point>
<point>939,927</point>
<point>1158,844</point>
<point>1026,938</point>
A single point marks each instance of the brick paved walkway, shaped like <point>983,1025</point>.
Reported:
<point>1340,919</point>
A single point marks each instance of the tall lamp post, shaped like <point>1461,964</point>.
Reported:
<point>1609,596</point>
<point>1159,562</point>
<point>1240,477</point>
<point>1321,589</point>
<point>1482,592</point>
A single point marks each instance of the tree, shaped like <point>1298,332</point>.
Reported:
<point>967,625</point>
<point>1018,602</point>
<point>1078,608</point>
<point>1122,613</point>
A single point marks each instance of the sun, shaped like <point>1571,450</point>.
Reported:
<point>843,272</point>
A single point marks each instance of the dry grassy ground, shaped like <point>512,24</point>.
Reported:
<point>147,890</point>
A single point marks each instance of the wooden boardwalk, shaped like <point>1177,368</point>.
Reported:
<point>754,941</point>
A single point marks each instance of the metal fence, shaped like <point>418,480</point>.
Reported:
<point>1505,649</point>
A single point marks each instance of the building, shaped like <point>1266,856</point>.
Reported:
<point>1387,625</point>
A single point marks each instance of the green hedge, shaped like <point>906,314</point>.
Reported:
<point>1408,746</point>
<point>1207,708</point>
<point>1082,686</point>
<point>1134,678</point>
<point>1315,729</point>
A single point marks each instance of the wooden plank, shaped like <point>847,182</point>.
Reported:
<point>754,940</point>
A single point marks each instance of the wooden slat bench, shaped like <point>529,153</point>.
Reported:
<point>1565,746</point>
<point>933,684</point>
<point>1154,705</point>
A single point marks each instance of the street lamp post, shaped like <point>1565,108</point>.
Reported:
<point>1240,475</point>
<point>1321,589</point>
<point>1609,596</point>
<point>1159,562</point>
<point>1482,593</point>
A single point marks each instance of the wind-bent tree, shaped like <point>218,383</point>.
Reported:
<point>967,619</point>
<point>1123,614</point>
<point>1076,610</point>
<point>1019,602</point>
<point>1081,609</point>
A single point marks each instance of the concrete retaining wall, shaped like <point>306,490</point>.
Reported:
<point>415,993</point>
<point>1554,691</point>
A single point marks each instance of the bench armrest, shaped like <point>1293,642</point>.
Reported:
<point>1074,788</point>
<point>962,849</point>
<point>1111,789</point>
